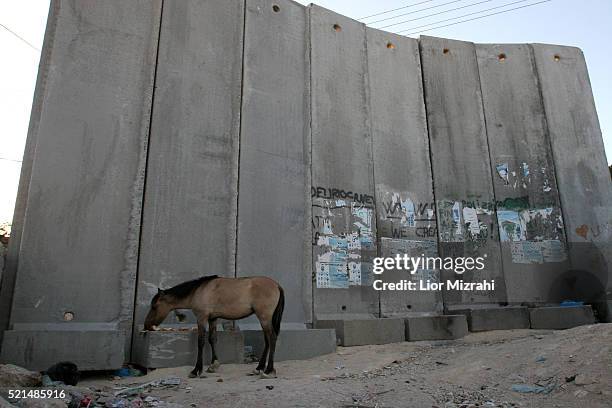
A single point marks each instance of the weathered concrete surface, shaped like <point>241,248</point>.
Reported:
<point>189,218</point>
<point>358,332</point>
<point>560,317</point>
<point>532,234</point>
<point>273,230</point>
<point>467,225</point>
<point>294,344</point>
<point>405,209</point>
<point>444,327</point>
<point>341,161</point>
<point>80,229</point>
<point>342,170</point>
<point>154,349</point>
<point>497,318</point>
<point>9,272</point>
<point>89,348</point>
<point>582,173</point>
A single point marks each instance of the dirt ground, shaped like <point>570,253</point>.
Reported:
<point>573,368</point>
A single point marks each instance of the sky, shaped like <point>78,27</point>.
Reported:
<point>585,24</point>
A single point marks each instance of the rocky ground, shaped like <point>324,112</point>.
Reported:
<point>521,368</point>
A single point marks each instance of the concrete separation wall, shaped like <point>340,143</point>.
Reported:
<point>274,194</point>
<point>190,203</point>
<point>581,165</point>
<point>344,224</point>
<point>405,205</point>
<point>78,248</point>
<point>529,219</point>
<point>467,225</point>
<point>259,137</point>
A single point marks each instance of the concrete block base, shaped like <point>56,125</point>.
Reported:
<point>89,349</point>
<point>157,349</point>
<point>294,344</point>
<point>497,318</point>
<point>558,318</point>
<point>359,332</point>
<point>446,327</point>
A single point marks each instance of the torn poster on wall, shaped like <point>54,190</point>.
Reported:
<point>465,221</point>
<point>343,243</point>
<point>534,234</point>
<point>517,174</point>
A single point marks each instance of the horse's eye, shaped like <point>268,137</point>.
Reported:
<point>154,307</point>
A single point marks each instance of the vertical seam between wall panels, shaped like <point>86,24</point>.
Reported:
<point>144,180</point>
<point>430,154</point>
<point>237,205</point>
<point>549,142</point>
<point>368,104</point>
<point>311,275</point>
<point>491,163</point>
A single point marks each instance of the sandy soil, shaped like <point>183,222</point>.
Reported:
<point>573,366</point>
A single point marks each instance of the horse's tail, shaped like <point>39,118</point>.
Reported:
<point>278,312</point>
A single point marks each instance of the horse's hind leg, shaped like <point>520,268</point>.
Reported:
<point>262,361</point>
<point>197,370</point>
<point>270,371</point>
<point>212,340</point>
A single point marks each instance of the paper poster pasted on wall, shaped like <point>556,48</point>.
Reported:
<point>343,243</point>
<point>534,234</point>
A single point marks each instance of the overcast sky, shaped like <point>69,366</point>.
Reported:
<point>585,24</point>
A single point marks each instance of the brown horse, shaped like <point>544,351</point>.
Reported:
<point>211,298</point>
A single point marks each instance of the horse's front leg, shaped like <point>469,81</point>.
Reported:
<point>197,370</point>
<point>212,340</point>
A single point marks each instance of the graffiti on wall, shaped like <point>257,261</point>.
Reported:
<point>406,226</point>
<point>343,238</point>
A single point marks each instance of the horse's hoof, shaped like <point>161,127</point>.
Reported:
<point>211,369</point>
<point>271,374</point>
<point>255,372</point>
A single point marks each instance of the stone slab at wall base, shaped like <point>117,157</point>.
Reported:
<point>360,332</point>
<point>88,349</point>
<point>560,317</point>
<point>157,349</point>
<point>446,327</point>
<point>496,318</point>
<point>294,344</point>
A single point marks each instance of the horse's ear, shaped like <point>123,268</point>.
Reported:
<point>160,291</point>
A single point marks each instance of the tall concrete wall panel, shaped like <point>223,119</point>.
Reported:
<point>529,216</point>
<point>405,206</point>
<point>581,166</point>
<point>344,230</point>
<point>461,166</point>
<point>190,202</point>
<point>9,270</point>
<point>79,244</point>
<point>274,186</point>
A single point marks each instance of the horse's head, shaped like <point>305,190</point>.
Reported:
<point>161,306</point>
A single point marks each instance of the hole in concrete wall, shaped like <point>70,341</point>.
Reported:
<point>337,28</point>
<point>343,307</point>
<point>445,51</point>
<point>275,8</point>
<point>501,57</point>
<point>557,57</point>
<point>68,316</point>
<point>409,306</point>
<point>390,45</point>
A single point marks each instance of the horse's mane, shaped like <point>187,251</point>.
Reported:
<point>182,290</point>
